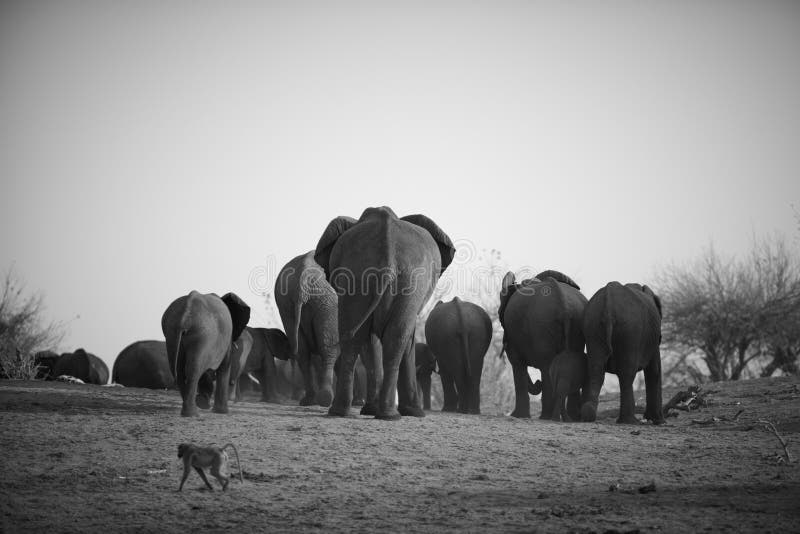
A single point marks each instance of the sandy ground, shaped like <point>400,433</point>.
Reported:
<point>79,458</point>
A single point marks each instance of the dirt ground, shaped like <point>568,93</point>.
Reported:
<point>80,458</point>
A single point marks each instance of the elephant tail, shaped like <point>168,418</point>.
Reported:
<point>294,335</point>
<point>385,281</point>
<point>608,321</point>
<point>464,335</point>
<point>179,364</point>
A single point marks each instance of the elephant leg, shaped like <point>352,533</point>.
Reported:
<point>205,389</point>
<point>559,410</point>
<point>626,401</point>
<point>324,394</point>
<point>574,406</point>
<point>522,406</point>
<point>652,382</point>
<point>189,393</point>
<point>548,403</point>
<point>343,396</point>
<point>424,383</point>
<point>223,378</point>
<point>328,354</point>
<point>462,390</point>
<point>595,376</point>
<point>359,384</point>
<point>269,383</point>
<point>449,390</point>
<point>371,355</point>
<point>237,390</point>
<point>304,362</point>
<point>409,401</point>
<point>395,341</point>
<point>474,406</point>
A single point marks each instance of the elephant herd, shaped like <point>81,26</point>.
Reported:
<point>349,310</point>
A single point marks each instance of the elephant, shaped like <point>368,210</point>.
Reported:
<point>45,361</point>
<point>459,334</point>
<point>200,330</point>
<point>541,317</point>
<point>268,344</point>
<point>426,365</point>
<point>240,353</point>
<point>567,375</point>
<point>308,308</point>
<point>384,269</point>
<point>623,333</point>
<point>83,365</point>
<point>143,364</point>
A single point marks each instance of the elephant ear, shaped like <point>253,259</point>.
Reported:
<point>278,344</point>
<point>656,300</point>
<point>509,287</point>
<point>558,277</point>
<point>240,313</point>
<point>335,228</point>
<point>446,248</point>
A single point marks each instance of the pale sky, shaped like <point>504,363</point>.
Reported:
<point>150,148</point>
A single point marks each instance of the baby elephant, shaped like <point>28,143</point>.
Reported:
<point>567,374</point>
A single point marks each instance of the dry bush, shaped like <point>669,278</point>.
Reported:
<point>23,329</point>
<point>727,318</point>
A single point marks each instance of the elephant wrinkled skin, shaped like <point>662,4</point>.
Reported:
<point>308,308</point>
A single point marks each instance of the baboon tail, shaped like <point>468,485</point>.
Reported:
<point>238,462</point>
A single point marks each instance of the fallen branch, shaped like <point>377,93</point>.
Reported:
<point>713,420</point>
<point>769,426</point>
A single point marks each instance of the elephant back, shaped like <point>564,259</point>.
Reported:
<point>83,365</point>
<point>543,317</point>
<point>457,322</point>
<point>143,364</point>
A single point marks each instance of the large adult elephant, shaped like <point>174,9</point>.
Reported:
<point>143,364</point>
<point>199,330</point>
<point>308,308</point>
<point>83,365</point>
<point>623,333</point>
<point>384,269</point>
<point>459,334</point>
<point>541,317</point>
<point>426,365</point>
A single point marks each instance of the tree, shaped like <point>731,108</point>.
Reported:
<point>738,317</point>
<point>23,329</point>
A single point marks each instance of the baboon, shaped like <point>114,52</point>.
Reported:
<point>207,457</point>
